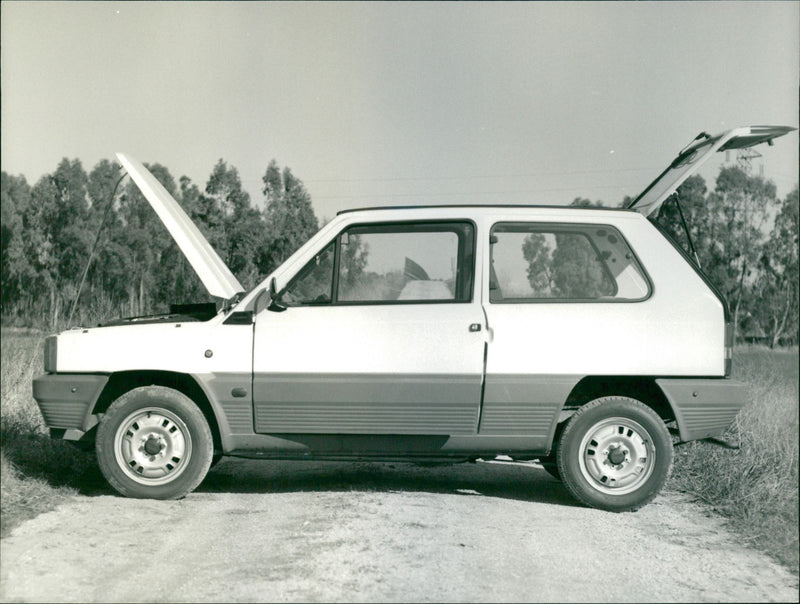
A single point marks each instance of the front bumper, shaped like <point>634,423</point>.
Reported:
<point>67,400</point>
<point>704,408</point>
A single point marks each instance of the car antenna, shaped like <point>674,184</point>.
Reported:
<point>94,247</point>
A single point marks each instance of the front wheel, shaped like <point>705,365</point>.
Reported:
<point>154,442</point>
<point>615,454</point>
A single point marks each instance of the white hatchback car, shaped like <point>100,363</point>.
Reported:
<point>584,338</point>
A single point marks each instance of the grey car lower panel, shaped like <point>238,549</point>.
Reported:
<point>231,392</point>
<point>524,404</point>
<point>366,403</point>
<point>382,447</point>
<point>704,407</point>
<point>66,400</point>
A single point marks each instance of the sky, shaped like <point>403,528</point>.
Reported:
<point>374,104</point>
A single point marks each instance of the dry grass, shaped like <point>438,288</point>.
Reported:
<point>756,486</point>
<point>37,473</point>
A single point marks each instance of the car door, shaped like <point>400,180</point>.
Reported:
<point>563,302</point>
<point>380,333</point>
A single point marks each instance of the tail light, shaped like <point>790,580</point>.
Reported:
<point>728,348</point>
<point>50,353</point>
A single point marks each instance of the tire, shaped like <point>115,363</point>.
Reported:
<point>615,454</point>
<point>154,443</point>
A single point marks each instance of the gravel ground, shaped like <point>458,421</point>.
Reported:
<point>333,532</point>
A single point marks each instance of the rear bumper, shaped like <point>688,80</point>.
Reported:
<point>704,407</point>
<point>66,400</point>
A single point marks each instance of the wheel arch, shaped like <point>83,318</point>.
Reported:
<point>643,389</point>
<point>123,381</point>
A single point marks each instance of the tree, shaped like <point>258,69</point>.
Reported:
<point>15,269</point>
<point>50,229</point>
<point>738,210</point>
<point>242,224</point>
<point>353,259</point>
<point>103,289</point>
<point>692,198</point>
<point>583,202</point>
<point>146,238</point>
<point>289,216</point>
<point>538,255</point>
<point>177,279</point>
<point>564,264</point>
<point>576,270</point>
<point>727,228</point>
<point>57,242</point>
<point>777,289</point>
<point>206,212</point>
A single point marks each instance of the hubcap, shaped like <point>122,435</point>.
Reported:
<point>617,456</point>
<point>152,446</point>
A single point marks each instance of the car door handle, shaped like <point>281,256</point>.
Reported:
<point>475,327</point>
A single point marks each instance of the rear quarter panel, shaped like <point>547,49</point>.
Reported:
<point>677,331</point>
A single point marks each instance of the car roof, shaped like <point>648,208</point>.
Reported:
<point>513,206</point>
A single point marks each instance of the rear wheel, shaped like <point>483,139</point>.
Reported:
<point>154,442</point>
<point>615,454</point>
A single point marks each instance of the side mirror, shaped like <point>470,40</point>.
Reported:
<point>274,299</point>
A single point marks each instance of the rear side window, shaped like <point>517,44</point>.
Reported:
<point>535,262</point>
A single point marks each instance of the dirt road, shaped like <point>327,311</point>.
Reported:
<point>326,532</point>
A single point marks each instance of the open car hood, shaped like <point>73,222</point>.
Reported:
<point>213,272</point>
<point>694,155</point>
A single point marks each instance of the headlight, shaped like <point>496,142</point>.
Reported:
<point>50,353</point>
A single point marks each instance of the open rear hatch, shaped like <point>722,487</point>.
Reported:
<point>694,155</point>
<point>689,160</point>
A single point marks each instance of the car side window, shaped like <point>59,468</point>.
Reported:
<point>389,264</point>
<point>404,263</point>
<point>313,285</point>
<point>543,262</point>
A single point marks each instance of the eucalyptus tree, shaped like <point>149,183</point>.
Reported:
<point>16,272</point>
<point>290,218</point>
<point>776,295</point>
<point>146,239</point>
<point>242,224</point>
<point>738,214</point>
